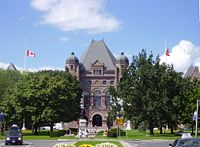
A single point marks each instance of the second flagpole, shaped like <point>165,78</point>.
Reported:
<point>25,39</point>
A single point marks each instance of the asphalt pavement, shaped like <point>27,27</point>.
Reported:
<point>126,143</point>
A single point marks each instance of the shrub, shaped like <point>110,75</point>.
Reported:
<point>142,127</point>
<point>54,134</point>
<point>62,132</point>
<point>114,132</point>
<point>74,130</point>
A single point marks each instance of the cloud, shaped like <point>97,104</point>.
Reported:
<point>50,68</point>
<point>71,15</point>
<point>183,55</point>
<point>64,39</point>
<point>5,66</point>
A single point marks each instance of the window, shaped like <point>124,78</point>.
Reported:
<point>111,82</point>
<point>104,82</point>
<point>90,82</point>
<point>97,72</point>
<point>107,102</point>
<point>71,67</point>
<point>86,99</point>
<point>97,99</point>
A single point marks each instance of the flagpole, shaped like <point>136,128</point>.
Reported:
<point>199,10</point>
<point>165,48</point>
<point>25,53</point>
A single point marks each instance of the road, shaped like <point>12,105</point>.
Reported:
<point>38,143</point>
<point>148,143</point>
<point>51,143</point>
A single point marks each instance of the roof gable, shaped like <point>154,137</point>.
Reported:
<point>98,51</point>
<point>97,64</point>
<point>11,67</point>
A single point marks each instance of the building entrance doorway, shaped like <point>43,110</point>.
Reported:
<point>97,120</point>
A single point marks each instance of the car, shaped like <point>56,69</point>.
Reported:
<point>186,141</point>
<point>14,135</point>
<point>14,128</point>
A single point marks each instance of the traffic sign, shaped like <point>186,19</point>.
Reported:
<point>120,121</point>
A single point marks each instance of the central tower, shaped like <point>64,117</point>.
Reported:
<point>97,70</point>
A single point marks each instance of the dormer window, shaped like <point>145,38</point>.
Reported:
<point>97,68</point>
<point>97,72</point>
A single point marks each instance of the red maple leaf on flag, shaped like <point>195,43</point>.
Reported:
<point>30,53</point>
<point>167,53</point>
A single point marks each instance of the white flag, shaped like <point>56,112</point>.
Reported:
<point>195,116</point>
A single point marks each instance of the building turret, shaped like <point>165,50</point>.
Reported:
<point>122,62</point>
<point>72,66</point>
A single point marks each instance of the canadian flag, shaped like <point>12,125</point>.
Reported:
<point>30,53</point>
<point>167,53</point>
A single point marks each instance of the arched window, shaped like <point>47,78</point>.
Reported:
<point>97,99</point>
<point>86,99</point>
<point>107,101</point>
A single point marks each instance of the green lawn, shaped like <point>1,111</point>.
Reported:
<point>135,134</point>
<point>131,134</point>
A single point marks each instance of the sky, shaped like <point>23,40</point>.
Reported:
<point>52,29</point>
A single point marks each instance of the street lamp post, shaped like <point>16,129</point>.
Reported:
<point>197,118</point>
<point>2,122</point>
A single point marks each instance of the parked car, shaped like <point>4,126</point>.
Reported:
<point>186,141</point>
<point>14,135</point>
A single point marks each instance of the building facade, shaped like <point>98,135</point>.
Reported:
<point>96,70</point>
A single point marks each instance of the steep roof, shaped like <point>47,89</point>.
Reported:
<point>189,72</point>
<point>11,67</point>
<point>98,51</point>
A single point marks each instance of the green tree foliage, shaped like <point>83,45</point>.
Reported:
<point>152,93</point>
<point>43,98</point>
<point>7,79</point>
<point>190,95</point>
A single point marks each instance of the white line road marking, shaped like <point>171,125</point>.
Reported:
<point>28,144</point>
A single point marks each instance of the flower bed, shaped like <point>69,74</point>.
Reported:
<point>106,144</point>
<point>64,145</point>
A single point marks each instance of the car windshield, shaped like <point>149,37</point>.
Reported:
<point>186,142</point>
<point>14,133</point>
<point>14,129</point>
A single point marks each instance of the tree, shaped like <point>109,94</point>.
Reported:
<point>191,93</point>
<point>173,85</point>
<point>151,92</point>
<point>7,79</point>
<point>44,98</point>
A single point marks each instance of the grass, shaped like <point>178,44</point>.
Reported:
<point>131,134</point>
<point>43,135</point>
<point>98,142</point>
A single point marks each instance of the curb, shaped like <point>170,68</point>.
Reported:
<point>125,144</point>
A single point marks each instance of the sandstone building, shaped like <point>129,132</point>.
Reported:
<point>96,70</point>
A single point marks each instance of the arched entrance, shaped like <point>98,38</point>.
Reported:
<point>97,120</point>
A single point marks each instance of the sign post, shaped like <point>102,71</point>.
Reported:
<point>120,121</point>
